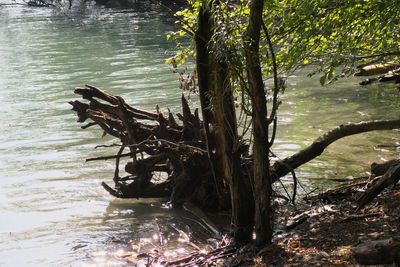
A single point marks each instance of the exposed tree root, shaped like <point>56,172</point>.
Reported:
<point>155,143</point>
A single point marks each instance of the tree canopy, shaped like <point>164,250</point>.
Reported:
<point>334,35</point>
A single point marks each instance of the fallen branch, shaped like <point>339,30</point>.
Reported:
<point>336,194</point>
<point>359,217</point>
<point>297,221</point>
<point>283,167</point>
<point>110,157</point>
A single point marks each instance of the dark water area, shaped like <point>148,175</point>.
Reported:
<point>54,211</point>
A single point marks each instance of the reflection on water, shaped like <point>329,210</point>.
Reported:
<point>53,210</point>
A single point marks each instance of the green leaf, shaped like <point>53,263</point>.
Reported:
<point>322,80</point>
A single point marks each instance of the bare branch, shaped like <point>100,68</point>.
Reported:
<point>281,168</point>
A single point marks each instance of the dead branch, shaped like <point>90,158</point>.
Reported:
<point>281,168</point>
<point>359,217</point>
<point>166,159</point>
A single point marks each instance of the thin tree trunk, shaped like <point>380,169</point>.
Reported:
<point>242,200</point>
<point>261,172</point>
<point>222,138</point>
<point>204,67</point>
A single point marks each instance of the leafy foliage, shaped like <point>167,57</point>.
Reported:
<point>333,35</point>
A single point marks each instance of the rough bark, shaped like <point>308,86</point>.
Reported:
<point>261,171</point>
<point>283,167</point>
<point>222,137</point>
<point>204,69</point>
<point>242,201</point>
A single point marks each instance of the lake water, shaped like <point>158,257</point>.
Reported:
<point>53,210</point>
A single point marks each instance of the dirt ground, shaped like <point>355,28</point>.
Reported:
<point>327,232</point>
<point>318,233</point>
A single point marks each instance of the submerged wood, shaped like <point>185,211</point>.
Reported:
<point>203,217</point>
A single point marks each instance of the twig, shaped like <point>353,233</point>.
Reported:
<point>359,217</point>
<point>190,32</point>
<point>101,146</point>
<point>293,198</point>
<point>284,188</point>
<point>116,171</point>
<point>88,125</point>
<point>111,157</point>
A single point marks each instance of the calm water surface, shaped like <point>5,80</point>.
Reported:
<point>53,210</point>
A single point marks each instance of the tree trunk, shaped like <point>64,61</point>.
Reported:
<point>261,172</point>
<point>204,68</point>
<point>222,140</point>
<point>242,200</point>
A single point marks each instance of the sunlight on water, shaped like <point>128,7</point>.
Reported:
<point>54,211</point>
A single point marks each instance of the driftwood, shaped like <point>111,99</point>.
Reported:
<point>386,251</point>
<point>157,145</point>
<point>382,78</point>
<point>391,177</point>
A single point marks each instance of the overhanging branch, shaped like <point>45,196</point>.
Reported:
<point>281,168</point>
